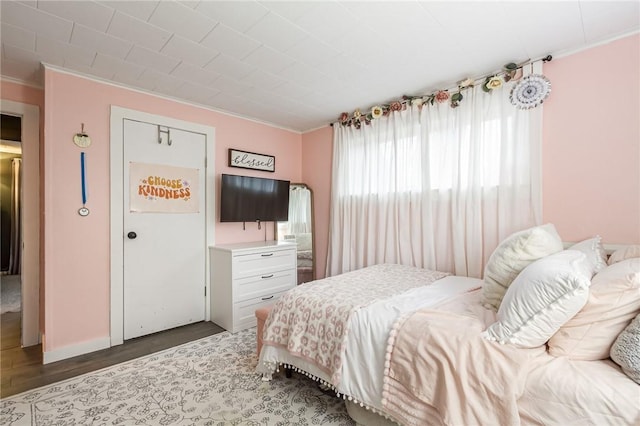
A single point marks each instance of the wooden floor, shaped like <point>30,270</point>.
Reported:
<point>22,368</point>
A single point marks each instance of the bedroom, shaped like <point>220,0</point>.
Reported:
<point>603,180</point>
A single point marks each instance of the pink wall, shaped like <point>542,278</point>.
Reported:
<point>76,248</point>
<point>591,177</point>
<point>316,172</point>
<point>591,149</point>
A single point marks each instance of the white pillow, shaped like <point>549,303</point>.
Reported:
<point>626,350</point>
<point>594,251</point>
<point>628,252</point>
<point>512,256</point>
<point>541,299</point>
<point>614,299</point>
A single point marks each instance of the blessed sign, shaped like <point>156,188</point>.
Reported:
<point>251,160</point>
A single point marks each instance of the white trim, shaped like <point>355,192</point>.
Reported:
<point>118,114</point>
<point>163,96</point>
<point>75,350</point>
<point>30,270</point>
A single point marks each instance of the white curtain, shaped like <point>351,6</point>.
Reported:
<point>435,187</point>
<point>299,210</point>
<point>16,226</point>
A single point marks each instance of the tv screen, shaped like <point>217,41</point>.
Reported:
<point>252,199</point>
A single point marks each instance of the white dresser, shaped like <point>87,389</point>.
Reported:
<point>248,276</point>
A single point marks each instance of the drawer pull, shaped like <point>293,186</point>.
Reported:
<point>266,254</point>
<point>267,276</point>
<point>267,298</point>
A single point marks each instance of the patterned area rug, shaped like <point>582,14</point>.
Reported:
<point>207,382</point>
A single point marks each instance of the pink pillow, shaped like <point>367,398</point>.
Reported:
<point>614,300</point>
<point>624,253</point>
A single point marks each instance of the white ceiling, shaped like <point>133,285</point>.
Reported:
<point>296,64</point>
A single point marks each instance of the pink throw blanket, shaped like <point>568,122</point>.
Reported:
<point>311,320</point>
<point>439,360</point>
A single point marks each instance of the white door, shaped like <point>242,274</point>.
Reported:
<point>164,253</point>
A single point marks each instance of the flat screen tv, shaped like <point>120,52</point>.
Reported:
<point>253,199</point>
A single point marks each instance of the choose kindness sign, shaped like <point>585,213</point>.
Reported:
<point>155,188</point>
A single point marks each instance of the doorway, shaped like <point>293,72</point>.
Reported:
<point>21,134</point>
<point>10,207</point>
<point>119,171</point>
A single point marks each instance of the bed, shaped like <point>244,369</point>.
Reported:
<point>411,346</point>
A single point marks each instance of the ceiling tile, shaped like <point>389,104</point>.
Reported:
<point>99,41</point>
<point>197,92</point>
<point>227,102</point>
<point>138,9</point>
<point>269,59</point>
<point>605,19</point>
<point>230,42</point>
<point>292,90</point>
<point>194,74</point>
<point>302,74</point>
<point>148,58</point>
<point>562,26</point>
<point>138,32</point>
<point>89,13</point>
<point>311,51</point>
<point>105,65</point>
<point>188,51</point>
<point>190,3</point>
<point>263,80</point>
<point>183,20</point>
<point>276,32</point>
<point>239,15</point>
<point>16,54</point>
<point>52,51</point>
<point>293,10</point>
<point>231,86</point>
<point>329,23</point>
<point>18,37</point>
<point>231,67</point>
<point>160,80</point>
<point>35,20</point>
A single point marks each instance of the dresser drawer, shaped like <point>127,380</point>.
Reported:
<point>259,285</point>
<point>244,313</point>
<point>253,264</point>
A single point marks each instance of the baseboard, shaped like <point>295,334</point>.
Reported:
<point>75,350</point>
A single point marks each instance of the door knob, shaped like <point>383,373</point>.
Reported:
<point>132,235</point>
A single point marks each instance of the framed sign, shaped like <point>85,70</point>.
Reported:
<point>251,160</point>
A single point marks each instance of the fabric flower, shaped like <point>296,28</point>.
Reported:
<point>455,100</point>
<point>493,83</point>
<point>357,114</point>
<point>467,82</point>
<point>417,101</point>
<point>395,106</point>
<point>442,96</point>
<point>344,117</point>
<point>376,111</point>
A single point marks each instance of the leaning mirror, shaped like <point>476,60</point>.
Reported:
<point>299,229</point>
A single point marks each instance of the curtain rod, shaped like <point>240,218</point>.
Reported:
<point>546,58</point>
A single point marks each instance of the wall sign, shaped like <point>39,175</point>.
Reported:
<point>156,188</point>
<point>251,160</point>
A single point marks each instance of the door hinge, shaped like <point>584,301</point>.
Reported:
<point>205,292</point>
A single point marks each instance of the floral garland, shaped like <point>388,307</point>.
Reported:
<point>510,72</point>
